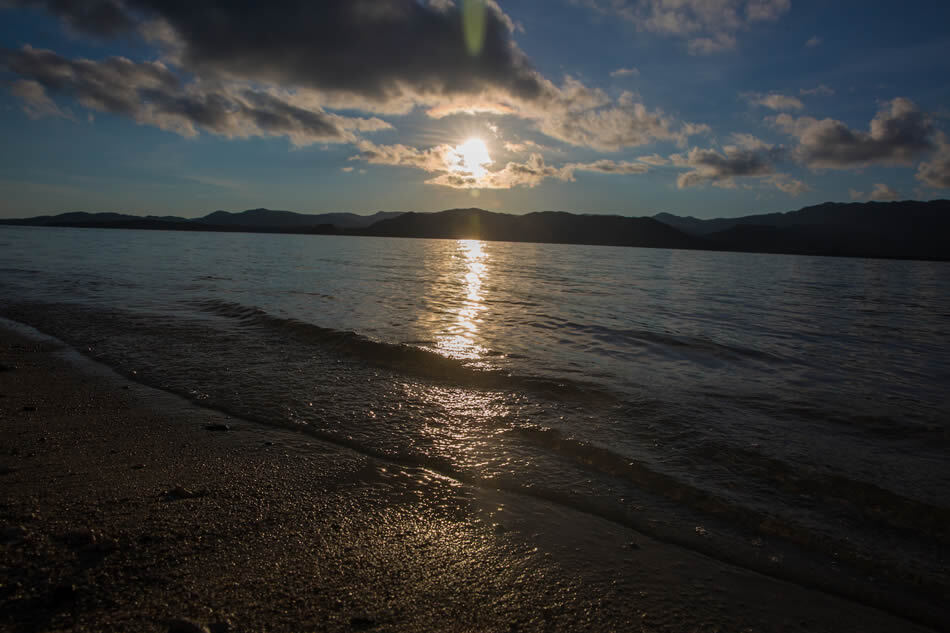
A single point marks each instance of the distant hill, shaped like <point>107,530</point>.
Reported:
<point>911,230</point>
<point>546,226</point>
<point>289,219</point>
<point>908,229</point>
<point>265,220</point>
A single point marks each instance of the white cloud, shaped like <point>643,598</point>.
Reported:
<point>787,184</point>
<point>442,160</point>
<point>654,159</point>
<point>773,101</point>
<point>880,192</point>
<point>625,72</point>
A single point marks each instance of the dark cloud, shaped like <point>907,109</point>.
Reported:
<point>99,17</point>
<point>899,133</point>
<point>149,93</point>
<point>709,27</point>
<point>36,103</point>
<point>749,157</point>
<point>936,171</point>
<point>605,166</point>
<point>378,50</point>
<point>113,85</point>
<point>381,56</point>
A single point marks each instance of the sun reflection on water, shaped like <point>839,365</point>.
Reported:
<point>460,337</point>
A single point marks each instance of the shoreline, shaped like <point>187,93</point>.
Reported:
<point>124,509</point>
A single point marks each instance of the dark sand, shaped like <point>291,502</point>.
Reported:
<point>120,511</point>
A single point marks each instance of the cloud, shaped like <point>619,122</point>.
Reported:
<point>383,57</point>
<point>527,174</point>
<point>431,160</point>
<point>898,134</point>
<point>149,93</point>
<point>625,72</point>
<point>605,166</point>
<point>100,17</point>
<point>523,146</point>
<point>821,90</point>
<point>813,41</point>
<point>773,101</point>
<point>443,160</point>
<point>377,50</point>
<point>936,172</point>
<point>881,192</point>
<point>614,128</point>
<point>787,184</point>
<point>747,157</point>
<point>711,45</point>
<point>707,26</point>
<point>654,159</point>
<point>36,103</point>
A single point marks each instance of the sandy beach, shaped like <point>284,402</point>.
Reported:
<point>125,508</point>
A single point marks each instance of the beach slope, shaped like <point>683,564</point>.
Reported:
<point>125,508</point>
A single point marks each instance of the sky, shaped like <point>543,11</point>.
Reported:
<point>709,108</point>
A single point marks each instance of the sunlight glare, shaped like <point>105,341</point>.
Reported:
<point>461,339</point>
<point>471,157</point>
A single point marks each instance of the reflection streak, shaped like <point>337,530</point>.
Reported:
<point>459,341</point>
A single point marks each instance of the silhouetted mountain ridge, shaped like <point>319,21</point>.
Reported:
<point>268,220</point>
<point>556,227</point>
<point>909,229</point>
<point>289,219</point>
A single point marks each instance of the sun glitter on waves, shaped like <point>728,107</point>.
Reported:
<point>470,157</point>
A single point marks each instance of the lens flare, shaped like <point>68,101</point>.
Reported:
<point>473,25</point>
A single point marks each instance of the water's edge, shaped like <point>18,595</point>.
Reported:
<point>802,571</point>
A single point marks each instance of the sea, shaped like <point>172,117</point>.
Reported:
<point>788,414</point>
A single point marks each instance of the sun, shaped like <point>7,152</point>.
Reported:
<point>471,157</point>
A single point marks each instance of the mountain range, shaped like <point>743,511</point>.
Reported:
<point>909,229</point>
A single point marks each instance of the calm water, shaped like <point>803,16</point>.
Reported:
<point>786,413</point>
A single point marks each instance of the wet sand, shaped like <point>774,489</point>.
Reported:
<point>125,508</point>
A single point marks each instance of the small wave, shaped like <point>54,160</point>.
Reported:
<point>887,509</point>
<point>409,359</point>
<point>661,342</point>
